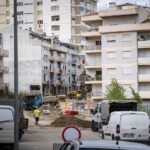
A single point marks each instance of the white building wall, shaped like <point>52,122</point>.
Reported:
<point>116,64</point>
<point>29,60</point>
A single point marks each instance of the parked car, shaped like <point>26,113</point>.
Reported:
<point>7,125</point>
<point>102,145</point>
<point>127,125</point>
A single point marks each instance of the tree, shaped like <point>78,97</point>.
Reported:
<point>136,96</point>
<point>115,91</point>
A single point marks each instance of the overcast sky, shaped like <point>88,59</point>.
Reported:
<point>103,3</point>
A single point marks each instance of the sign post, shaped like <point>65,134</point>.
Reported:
<point>16,103</point>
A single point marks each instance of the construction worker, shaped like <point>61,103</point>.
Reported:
<point>36,115</point>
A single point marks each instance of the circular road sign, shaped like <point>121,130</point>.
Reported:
<point>71,133</point>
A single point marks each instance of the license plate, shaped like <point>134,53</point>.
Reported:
<point>129,135</point>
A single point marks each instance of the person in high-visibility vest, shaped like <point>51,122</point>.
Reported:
<point>37,113</point>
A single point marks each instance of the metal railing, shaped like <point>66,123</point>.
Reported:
<point>4,53</point>
<point>93,47</point>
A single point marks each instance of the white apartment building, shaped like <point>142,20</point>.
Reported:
<point>3,69</point>
<point>125,48</point>
<point>60,18</point>
<point>42,62</point>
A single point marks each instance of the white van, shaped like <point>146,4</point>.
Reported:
<point>7,125</point>
<point>127,125</point>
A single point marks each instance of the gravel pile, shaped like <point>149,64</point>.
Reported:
<point>66,120</point>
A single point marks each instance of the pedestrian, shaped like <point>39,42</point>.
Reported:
<point>37,115</point>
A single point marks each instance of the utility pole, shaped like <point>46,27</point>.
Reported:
<point>16,102</point>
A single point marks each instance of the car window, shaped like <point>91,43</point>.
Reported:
<point>6,114</point>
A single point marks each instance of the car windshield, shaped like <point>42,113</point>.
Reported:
<point>29,98</point>
<point>99,149</point>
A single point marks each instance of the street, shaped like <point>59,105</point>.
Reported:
<point>43,136</point>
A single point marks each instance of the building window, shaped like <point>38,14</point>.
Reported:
<point>126,37</point>
<point>54,0</point>
<point>127,71</point>
<point>55,18</point>
<point>111,71</point>
<point>55,28</point>
<point>34,87</point>
<point>39,3</point>
<point>97,42</point>
<point>40,21</point>
<point>7,3</point>
<point>111,38</point>
<point>20,4</point>
<point>126,54</point>
<point>20,22</point>
<point>55,8</point>
<point>111,54</point>
<point>20,13</point>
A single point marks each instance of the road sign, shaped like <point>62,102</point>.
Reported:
<point>71,133</point>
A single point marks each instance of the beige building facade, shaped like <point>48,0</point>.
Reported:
<point>125,40</point>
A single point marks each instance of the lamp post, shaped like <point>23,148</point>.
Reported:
<point>16,102</point>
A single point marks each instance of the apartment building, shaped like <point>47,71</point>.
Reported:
<point>60,18</point>
<point>125,40</point>
<point>93,53</point>
<point>3,69</point>
<point>42,62</point>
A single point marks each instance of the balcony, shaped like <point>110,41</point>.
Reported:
<point>45,71</point>
<point>93,49</point>
<point>122,12</point>
<point>93,67</point>
<point>74,62</point>
<point>144,61</point>
<point>143,41</point>
<point>74,82</point>
<point>96,95</point>
<point>144,94</point>
<point>3,86</point>
<point>89,32</point>
<point>144,44</point>
<point>51,70</point>
<point>144,77</point>
<point>95,80</point>
<point>91,17</point>
<point>124,28</point>
<point>3,69</point>
<point>59,59</point>
<point>3,53</point>
<point>73,71</point>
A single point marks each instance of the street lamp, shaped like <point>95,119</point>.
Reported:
<point>16,103</point>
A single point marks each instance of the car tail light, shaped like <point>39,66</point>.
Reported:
<point>117,128</point>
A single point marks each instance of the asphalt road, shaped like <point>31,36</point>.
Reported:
<point>43,138</point>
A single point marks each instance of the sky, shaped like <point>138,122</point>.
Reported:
<point>102,4</point>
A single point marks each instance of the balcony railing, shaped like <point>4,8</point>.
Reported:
<point>4,69</point>
<point>3,86</point>
<point>4,53</point>
<point>89,29</point>
<point>93,47</point>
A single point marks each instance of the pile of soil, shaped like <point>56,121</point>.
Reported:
<point>67,120</point>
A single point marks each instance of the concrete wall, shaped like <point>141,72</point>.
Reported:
<point>29,60</point>
<point>119,62</point>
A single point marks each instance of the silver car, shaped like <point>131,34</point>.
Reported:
<point>102,145</point>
